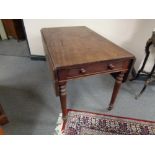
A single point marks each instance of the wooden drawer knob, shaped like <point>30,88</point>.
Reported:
<point>111,66</point>
<point>82,70</point>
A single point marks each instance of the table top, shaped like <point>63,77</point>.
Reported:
<point>69,46</point>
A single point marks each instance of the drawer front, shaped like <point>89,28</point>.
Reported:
<point>90,69</point>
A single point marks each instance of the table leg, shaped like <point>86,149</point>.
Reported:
<point>63,98</point>
<point>117,86</point>
<point>1,131</point>
<point>3,118</point>
<point>56,88</point>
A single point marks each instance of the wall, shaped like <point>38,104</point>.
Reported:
<point>2,31</point>
<point>129,34</point>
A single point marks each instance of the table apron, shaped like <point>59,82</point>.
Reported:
<point>88,70</point>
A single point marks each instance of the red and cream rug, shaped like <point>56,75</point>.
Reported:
<point>86,123</point>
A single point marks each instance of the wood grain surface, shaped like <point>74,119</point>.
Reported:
<point>69,46</point>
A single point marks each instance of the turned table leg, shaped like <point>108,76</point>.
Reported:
<point>63,98</point>
<point>56,88</point>
<point>117,86</point>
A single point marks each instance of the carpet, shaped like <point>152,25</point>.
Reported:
<point>12,47</point>
<point>86,123</point>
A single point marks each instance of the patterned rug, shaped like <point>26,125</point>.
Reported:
<point>86,123</point>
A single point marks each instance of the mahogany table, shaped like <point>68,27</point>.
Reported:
<point>75,52</point>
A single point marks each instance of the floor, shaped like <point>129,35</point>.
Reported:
<point>28,98</point>
<point>18,48</point>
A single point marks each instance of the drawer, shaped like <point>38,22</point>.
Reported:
<point>95,68</point>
